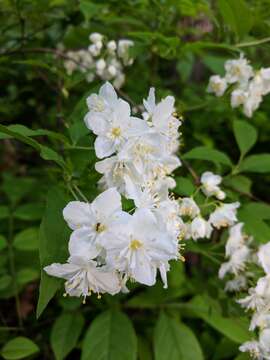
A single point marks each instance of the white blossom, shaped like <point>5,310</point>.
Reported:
<point>224,215</point>
<point>200,228</point>
<point>188,207</point>
<point>210,185</point>
<point>217,85</point>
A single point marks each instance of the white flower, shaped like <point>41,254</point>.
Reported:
<point>224,215</point>
<point>265,75</point>
<point>95,37</point>
<point>264,257</point>
<point>259,350</point>
<point>123,51</point>
<point>94,50</point>
<point>236,263</point>
<point>200,228</point>
<point>236,239</point>
<point>188,207</point>
<point>112,70</point>
<point>238,97</point>
<point>142,249</point>
<point>261,318</point>
<point>100,64</point>
<point>93,222</point>
<point>84,277</point>
<point>237,284</point>
<point>111,46</point>
<point>217,85</point>
<point>253,301</point>
<point>160,116</point>
<point>238,70</point>
<point>210,184</point>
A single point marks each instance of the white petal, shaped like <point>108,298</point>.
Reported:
<point>77,214</point>
<point>96,123</point>
<point>82,243</point>
<point>104,147</point>
<point>144,272</point>
<point>64,271</point>
<point>107,203</point>
<point>108,93</point>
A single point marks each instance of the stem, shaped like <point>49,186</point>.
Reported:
<point>253,43</point>
<point>80,193</point>
<point>12,267</point>
<point>72,192</point>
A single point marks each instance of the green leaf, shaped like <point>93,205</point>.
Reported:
<point>29,212</point>
<point>17,188</point>
<point>235,328</point>
<point>209,154</point>
<point>19,348</point>
<point>65,333</point>
<point>4,212</point>
<point>27,275</point>
<point>53,243</point>
<point>5,281</point>
<point>236,14</point>
<point>26,240</point>
<point>3,242</point>
<point>45,152</point>
<point>175,341</point>
<point>256,163</point>
<point>184,186</point>
<point>253,216</point>
<point>25,131</point>
<point>110,336</point>
<point>239,183</point>
<point>245,134</point>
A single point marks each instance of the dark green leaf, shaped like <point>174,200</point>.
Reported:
<point>110,337</point>
<point>19,348</point>
<point>26,240</point>
<point>175,341</point>
<point>53,242</point>
<point>245,134</point>
<point>65,333</point>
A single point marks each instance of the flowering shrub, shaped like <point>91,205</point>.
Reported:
<point>134,214</point>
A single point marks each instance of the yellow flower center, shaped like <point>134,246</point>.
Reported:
<point>100,227</point>
<point>116,132</point>
<point>135,244</point>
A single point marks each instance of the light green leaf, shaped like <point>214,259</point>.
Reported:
<point>26,240</point>
<point>27,275</point>
<point>235,328</point>
<point>175,341</point>
<point>53,243</point>
<point>19,348</point>
<point>209,154</point>
<point>65,333</point>
<point>110,337</point>
<point>256,163</point>
<point>245,134</point>
<point>236,14</point>
<point>29,212</point>
<point>45,152</point>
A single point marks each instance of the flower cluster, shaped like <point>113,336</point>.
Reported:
<point>109,246</point>
<point>104,59</point>
<point>240,254</point>
<point>248,86</point>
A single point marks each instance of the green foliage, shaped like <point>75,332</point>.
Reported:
<point>19,348</point>
<point>110,336</point>
<point>46,155</point>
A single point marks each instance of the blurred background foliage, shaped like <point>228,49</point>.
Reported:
<point>178,45</point>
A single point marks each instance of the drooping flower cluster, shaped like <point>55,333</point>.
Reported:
<point>240,254</point>
<point>109,246</point>
<point>104,58</point>
<point>248,86</point>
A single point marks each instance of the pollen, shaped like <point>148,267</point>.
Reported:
<point>135,244</point>
<point>116,132</point>
<point>100,227</point>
